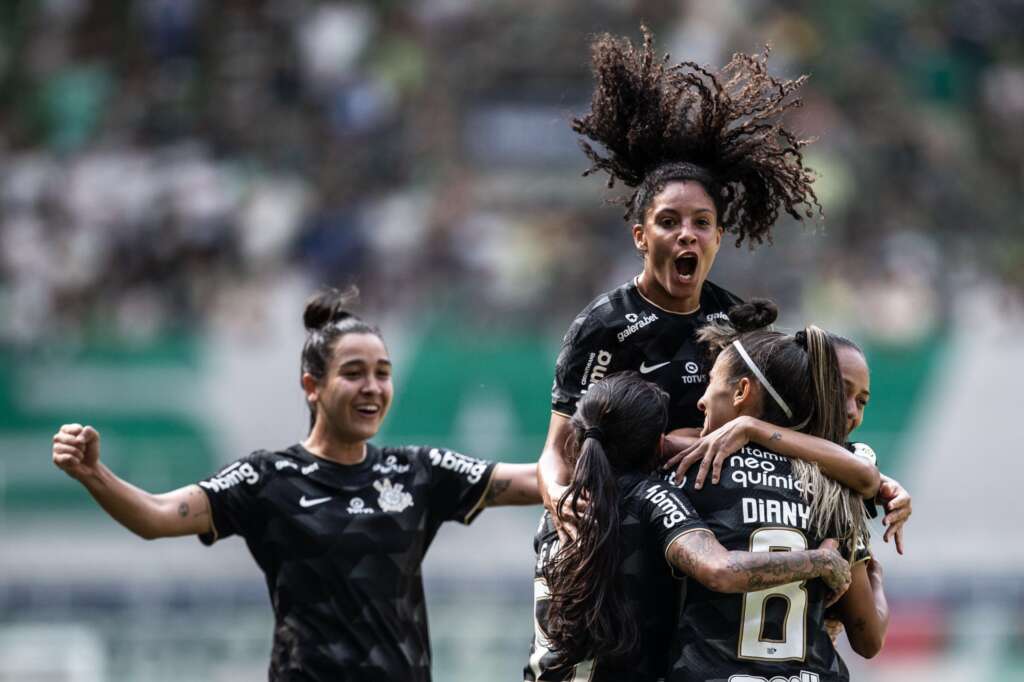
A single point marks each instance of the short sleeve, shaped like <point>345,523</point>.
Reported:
<point>458,484</point>
<point>584,358</point>
<point>667,512</point>
<point>232,494</point>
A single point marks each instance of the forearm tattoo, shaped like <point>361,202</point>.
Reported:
<point>751,571</point>
<point>183,509</point>
<point>761,570</point>
<point>498,487</point>
<point>775,436</point>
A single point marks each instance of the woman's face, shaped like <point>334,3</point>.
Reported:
<point>856,383</point>
<point>679,238</point>
<point>355,394</point>
<point>723,401</point>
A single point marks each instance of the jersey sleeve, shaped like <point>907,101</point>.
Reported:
<point>458,484</point>
<point>584,357</point>
<point>232,494</point>
<point>667,512</point>
<point>867,453</point>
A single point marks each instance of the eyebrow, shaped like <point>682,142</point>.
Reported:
<point>360,361</point>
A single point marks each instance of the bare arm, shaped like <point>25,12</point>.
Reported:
<point>699,554</point>
<point>835,461</point>
<point>864,610</point>
<point>553,473</point>
<point>513,484</point>
<point>185,511</point>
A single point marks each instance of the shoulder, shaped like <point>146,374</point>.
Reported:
<point>603,313</point>
<point>716,299</point>
<point>249,470</point>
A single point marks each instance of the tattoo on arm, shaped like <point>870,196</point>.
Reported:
<point>761,570</point>
<point>775,436</point>
<point>498,487</point>
<point>183,509</point>
<point>689,551</point>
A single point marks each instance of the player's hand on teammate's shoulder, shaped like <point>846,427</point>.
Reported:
<point>896,501</point>
<point>836,572</point>
<point>76,450</point>
<point>711,450</point>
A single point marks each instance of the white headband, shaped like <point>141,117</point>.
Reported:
<point>760,377</point>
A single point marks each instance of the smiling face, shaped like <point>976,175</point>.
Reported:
<point>856,385</point>
<point>679,238</point>
<point>724,400</point>
<point>355,393</point>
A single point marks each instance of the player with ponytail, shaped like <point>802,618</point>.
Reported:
<point>768,502</point>
<point>338,525</point>
<point>609,590</point>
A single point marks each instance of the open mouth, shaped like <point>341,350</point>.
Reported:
<point>368,410</point>
<point>686,266</point>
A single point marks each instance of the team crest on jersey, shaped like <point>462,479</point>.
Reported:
<point>392,497</point>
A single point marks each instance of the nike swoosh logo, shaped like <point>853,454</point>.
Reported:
<point>644,369</point>
<point>303,502</point>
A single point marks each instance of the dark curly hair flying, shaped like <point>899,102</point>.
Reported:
<point>659,123</point>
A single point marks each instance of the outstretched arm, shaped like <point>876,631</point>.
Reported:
<point>699,554</point>
<point>185,511</point>
<point>513,484</point>
<point>835,461</point>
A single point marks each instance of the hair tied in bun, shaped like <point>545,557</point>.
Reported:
<point>755,314</point>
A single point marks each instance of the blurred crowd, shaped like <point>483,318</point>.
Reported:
<point>166,161</point>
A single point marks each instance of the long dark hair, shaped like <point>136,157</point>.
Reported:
<point>657,123</point>
<point>327,319</point>
<point>617,429</point>
<point>803,369</point>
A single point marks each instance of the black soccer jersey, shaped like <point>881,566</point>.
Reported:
<point>654,514</point>
<point>621,330</point>
<point>341,548</point>
<point>776,633</point>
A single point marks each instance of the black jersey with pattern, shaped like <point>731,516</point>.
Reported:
<point>772,634</point>
<point>341,548</point>
<point>621,330</point>
<point>653,515</point>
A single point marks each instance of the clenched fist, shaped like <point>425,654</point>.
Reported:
<point>76,450</point>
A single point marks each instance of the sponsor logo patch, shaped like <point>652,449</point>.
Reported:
<point>285,464</point>
<point>391,466</point>
<point>470,467</point>
<point>357,506</point>
<point>668,503</point>
<point>803,677</point>
<point>239,472</point>
<point>634,327</point>
<point>307,503</point>
<point>307,470</point>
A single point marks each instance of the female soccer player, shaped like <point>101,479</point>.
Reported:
<point>704,153</point>
<point>611,594</point>
<point>338,525</point>
<point>768,502</point>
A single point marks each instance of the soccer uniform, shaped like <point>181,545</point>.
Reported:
<point>341,548</point>
<point>653,515</point>
<point>772,634</point>
<point>621,330</point>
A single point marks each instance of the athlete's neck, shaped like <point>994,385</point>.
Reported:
<point>651,290</point>
<point>320,445</point>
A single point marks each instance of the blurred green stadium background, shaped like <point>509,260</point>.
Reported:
<point>178,176</point>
